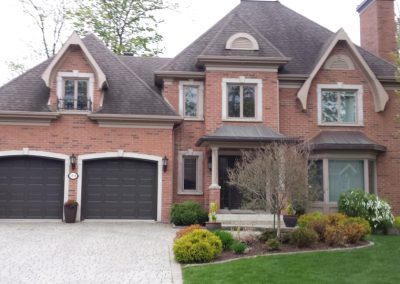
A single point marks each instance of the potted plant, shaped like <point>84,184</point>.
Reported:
<point>70,209</point>
<point>212,215</point>
<point>293,211</point>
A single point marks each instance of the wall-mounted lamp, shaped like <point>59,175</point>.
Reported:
<point>209,162</point>
<point>165,163</point>
<point>73,161</point>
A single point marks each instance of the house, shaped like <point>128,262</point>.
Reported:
<point>127,137</point>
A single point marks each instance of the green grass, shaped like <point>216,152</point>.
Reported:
<point>377,264</point>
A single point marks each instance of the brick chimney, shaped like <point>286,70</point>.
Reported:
<point>378,28</point>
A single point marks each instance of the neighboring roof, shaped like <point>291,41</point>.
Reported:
<point>248,133</point>
<point>344,140</point>
<point>380,95</point>
<point>290,33</point>
<point>127,92</point>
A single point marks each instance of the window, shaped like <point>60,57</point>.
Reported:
<point>242,41</point>
<point>75,91</point>
<point>241,99</point>
<point>340,106</point>
<point>75,94</point>
<point>191,99</point>
<point>190,172</point>
<point>329,177</point>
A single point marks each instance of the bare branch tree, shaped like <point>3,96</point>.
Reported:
<point>50,18</point>
<point>272,176</point>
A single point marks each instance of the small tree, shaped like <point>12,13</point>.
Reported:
<point>271,176</point>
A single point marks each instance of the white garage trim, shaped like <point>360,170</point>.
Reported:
<point>32,153</point>
<point>120,154</point>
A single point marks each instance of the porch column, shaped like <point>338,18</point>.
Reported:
<point>215,189</point>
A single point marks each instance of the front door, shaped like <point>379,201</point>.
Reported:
<point>230,195</point>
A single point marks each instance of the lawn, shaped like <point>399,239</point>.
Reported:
<point>377,264</point>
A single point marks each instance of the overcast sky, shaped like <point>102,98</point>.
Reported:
<point>19,36</point>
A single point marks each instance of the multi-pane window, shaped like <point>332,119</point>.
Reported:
<point>339,106</point>
<point>241,100</point>
<point>191,100</point>
<point>190,173</point>
<point>75,95</point>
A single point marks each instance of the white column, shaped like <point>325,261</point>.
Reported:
<point>214,169</point>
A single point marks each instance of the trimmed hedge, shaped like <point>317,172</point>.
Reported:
<point>188,213</point>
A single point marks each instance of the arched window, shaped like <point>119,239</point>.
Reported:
<point>242,41</point>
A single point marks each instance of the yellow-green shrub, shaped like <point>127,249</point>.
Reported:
<point>353,232</point>
<point>396,223</point>
<point>361,221</point>
<point>197,246</point>
<point>335,235</point>
<point>336,218</point>
<point>319,227</point>
<point>307,218</point>
<point>187,230</point>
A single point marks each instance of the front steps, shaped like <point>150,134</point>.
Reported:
<point>247,220</point>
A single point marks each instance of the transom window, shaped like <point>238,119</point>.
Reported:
<point>340,106</point>
<point>241,101</point>
<point>75,94</point>
<point>191,99</point>
<point>190,169</point>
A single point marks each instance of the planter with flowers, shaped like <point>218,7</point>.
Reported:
<point>212,215</point>
<point>70,209</point>
<point>293,211</point>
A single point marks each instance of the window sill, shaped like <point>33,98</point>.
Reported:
<point>193,119</point>
<point>241,120</point>
<point>340,125</point>
<point>190,193</point>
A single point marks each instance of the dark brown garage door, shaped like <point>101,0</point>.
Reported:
<point>31,188</point>
<point>119,189</point>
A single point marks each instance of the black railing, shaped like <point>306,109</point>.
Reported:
<point>72,104</point>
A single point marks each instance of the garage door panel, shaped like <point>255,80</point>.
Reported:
<point>123,188</point>
<point>31,188</point>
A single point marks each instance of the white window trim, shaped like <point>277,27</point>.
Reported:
<point>326,204</point>
<point>341,86</point>
<point>61,76</point>
<point>258,98</point>
<point>199,173</point>
<point>200,113</point>
<point>231,40</point>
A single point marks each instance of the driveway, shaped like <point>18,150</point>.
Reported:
<point>87,252</point>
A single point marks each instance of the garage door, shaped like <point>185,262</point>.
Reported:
<point>31,188</point>
<point>119,189</point>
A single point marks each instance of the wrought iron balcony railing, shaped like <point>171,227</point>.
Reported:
<point>74,105</point>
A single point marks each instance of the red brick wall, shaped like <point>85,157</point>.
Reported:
<point>381,127</point>
<point>378,30</point>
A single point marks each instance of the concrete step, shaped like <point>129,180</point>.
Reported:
<point>247,220</point>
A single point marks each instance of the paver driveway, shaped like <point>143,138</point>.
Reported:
<point>87,252</point>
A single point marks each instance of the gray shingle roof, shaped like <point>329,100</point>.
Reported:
<point>248,133</point>
<point>292,34</point>
<point>127,93</point>
<point>343,140</point>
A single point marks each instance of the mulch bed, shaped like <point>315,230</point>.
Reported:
<point>258,248</point>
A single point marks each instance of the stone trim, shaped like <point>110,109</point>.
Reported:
<point>199,172</point>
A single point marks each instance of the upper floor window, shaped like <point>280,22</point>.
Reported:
<point>241,99</point>
<point>191,99</point>
<point>340,105</point>
<point>74,91</point>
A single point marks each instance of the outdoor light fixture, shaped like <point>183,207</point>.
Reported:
<point>165,163</point>
<point>73,161</point>
<point>209,163</point>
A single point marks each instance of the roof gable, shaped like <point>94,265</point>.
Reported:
<point>74,39</point>
<point>380,95</point>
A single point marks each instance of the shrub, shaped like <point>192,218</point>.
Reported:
<point>336,218</point>
<point>361,221</point>
<point>285,237</point>
<point>306,218</point>
<point>225,237</point>
<point>396,223</point>
<point>238,247</point>
<point>273,245</point>
<point>357,203</point>
<point>188,213</point>
<point>266,235</point>
<point>187,230</point>
<point>319,227</point>
<point>303,237</point>
<point>197,246</point>
<point>335,235</point>
<point>353,232</point>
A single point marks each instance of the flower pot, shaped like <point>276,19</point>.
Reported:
<point>70,214</point>
<point>213,225</point>
<point>290,220</point>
